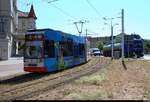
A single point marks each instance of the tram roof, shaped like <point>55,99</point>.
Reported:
<point>75,37</point>
<point>34,30</point>
<point>48,29</point>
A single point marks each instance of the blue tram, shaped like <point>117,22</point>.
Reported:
<point>133,47</point>
<point>48,50</point>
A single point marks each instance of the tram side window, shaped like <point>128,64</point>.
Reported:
<point>63,49</point>
<point>67,48</point>
<point>49,49</point>
<point>81,49</point>
<point>76,51</point>
<point>70,47</point>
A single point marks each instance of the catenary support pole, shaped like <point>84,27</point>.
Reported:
<point>123,35</point>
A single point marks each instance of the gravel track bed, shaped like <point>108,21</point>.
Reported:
<point>50,81</point>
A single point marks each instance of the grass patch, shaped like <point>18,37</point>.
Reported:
<point>85,96</point>
<point>5,86</point>
<point>68,91</point>
<point>94,79</point>
<point>147,94</point>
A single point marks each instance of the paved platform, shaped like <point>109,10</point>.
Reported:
<point>14,60</point>
<point>11,66</point>
<point>146,57</point>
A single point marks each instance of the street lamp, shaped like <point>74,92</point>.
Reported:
<point>112,39</point>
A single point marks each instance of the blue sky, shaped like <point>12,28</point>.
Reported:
<point>137,16</point>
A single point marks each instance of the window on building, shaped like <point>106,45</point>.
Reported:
<point>31,25</point>
<point>2,28</point>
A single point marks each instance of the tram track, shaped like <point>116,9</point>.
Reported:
<point>38,87</point>
<point>50,77</point>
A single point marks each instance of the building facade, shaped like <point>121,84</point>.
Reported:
<point>8,26</point>
<point>26,21</point>
<point>13,26</point>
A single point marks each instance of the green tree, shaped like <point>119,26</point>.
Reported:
<point>22,47</point>
<point>100,45</point>
<point>117,39</point>
<point>147,43</point>
<point>147,46</point>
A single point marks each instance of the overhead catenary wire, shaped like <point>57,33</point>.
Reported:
<point>51,2</point>
<point>80,22</point>
<point>74,19</point>
<point>29,3</point>
<point>94,9</point>
<point>91,5</point>
<point>93,33</point>
<point>25,4</point>
<point>67,14</point>
<point>62,11</point>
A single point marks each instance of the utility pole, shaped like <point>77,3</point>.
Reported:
<point>86,33</point>
<point>86,46</point>
<point>81,22</point>
<point>112,36</point>
<point>123,35</point>
<point>112,42</point>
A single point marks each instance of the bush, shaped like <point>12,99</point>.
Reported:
<point>100,45</point>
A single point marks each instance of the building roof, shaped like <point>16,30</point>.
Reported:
<point>30,14</point>
<point>22,14</point>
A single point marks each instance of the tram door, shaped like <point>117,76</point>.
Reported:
<point>60,56</point>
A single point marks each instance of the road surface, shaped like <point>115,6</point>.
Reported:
<point>146,57</point>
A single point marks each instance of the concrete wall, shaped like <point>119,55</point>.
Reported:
<point>4,49</point>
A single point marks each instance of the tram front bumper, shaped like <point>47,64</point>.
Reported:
<point>36,69</point>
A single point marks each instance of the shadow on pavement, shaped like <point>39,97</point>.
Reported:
<point>25,78</point>
<point>124,65</point>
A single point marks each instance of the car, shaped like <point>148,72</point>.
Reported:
<point>95,52</point>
